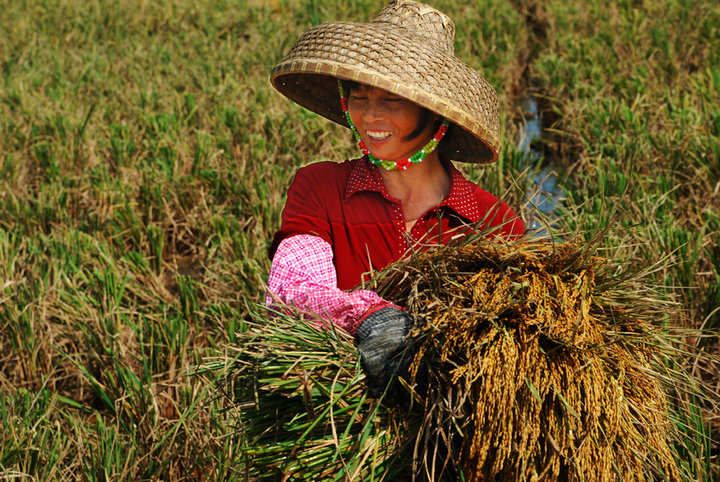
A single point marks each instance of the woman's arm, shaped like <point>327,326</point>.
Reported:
<point>302,274</point>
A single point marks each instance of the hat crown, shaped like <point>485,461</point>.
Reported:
<point>420,20</point>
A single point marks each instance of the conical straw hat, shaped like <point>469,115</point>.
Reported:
<point>408,49</point>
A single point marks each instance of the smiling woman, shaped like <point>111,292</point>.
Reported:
<point>344,221</point>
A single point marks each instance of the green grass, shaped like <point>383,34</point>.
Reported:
<point>143,163</point>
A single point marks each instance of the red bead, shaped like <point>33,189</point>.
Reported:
<point>403,164</point>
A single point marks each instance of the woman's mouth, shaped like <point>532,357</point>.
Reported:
<point>378,136</point>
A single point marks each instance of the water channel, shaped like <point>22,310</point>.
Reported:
<point>544,195</point>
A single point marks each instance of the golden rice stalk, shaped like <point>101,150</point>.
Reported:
<point>524,367</point>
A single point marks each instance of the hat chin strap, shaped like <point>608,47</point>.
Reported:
<point>401,164</point>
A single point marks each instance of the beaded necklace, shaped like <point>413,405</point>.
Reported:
<point>392,165</point>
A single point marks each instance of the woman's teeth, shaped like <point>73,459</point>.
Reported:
<point>378,135</point>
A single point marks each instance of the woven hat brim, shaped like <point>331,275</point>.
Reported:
<point>427,76</point>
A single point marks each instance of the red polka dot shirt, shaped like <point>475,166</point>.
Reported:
<point>347,205</point>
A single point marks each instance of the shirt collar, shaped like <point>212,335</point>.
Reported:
<point>461,197</point>
<point>364,176</point>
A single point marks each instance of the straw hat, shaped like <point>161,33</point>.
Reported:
<point>408,49</point>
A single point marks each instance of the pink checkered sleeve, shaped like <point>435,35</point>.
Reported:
<point>303,275</point>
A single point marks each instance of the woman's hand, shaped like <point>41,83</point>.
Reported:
<point>383,346</point>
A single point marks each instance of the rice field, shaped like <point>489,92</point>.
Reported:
<point>143,162</point>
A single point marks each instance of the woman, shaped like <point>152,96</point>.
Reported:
<point>412,107</point>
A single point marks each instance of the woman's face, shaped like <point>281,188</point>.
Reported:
<point>385,120</point>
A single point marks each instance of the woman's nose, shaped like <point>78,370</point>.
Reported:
<point>374,110</point>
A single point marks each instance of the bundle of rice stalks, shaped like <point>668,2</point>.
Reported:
<point>302,413</point>
<point>533,373</point>
<point>537,364</point>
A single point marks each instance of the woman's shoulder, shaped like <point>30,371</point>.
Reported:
<point>475,204</point>
<point>326,170</point>
<point>326,167</point>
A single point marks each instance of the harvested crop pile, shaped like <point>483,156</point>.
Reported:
<point>537,363</point>
<point>535,375</point>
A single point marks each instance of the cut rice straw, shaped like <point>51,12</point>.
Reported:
<point>524,371</point>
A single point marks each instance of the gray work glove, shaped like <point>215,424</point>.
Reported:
<point>383,347</point>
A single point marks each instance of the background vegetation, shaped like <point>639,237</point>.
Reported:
<point>143,163</point>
